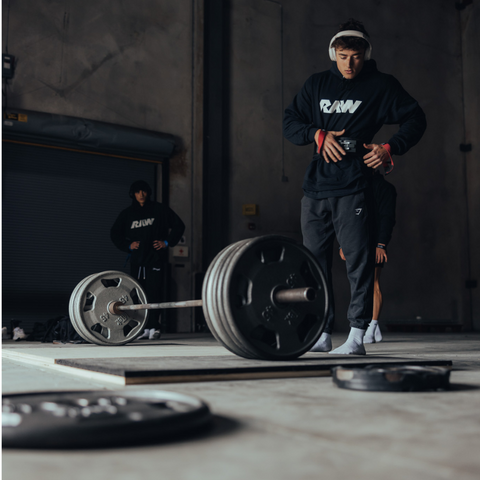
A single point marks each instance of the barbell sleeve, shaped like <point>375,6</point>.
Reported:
<point>115,307</point>
<point>294,295</point>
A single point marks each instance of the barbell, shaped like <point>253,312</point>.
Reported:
<point>263,298</point>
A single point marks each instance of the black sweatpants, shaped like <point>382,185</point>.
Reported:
<point>151,280</point>
<point>351,219</point>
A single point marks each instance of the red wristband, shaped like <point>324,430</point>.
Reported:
<point>388,148</point>
<point>321,138</point>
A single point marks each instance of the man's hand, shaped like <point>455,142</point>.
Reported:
<point>134,245</point>
<point>342,256</point>
<point>158,244</point>
<point>380,255</point>
<point>331,150</point>
<point>377,155</point>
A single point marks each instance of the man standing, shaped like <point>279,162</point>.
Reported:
<point>145,230</point>
<point>341,110</point>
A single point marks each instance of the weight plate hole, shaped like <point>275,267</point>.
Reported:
<point>134,296</point>
<point>89,301</point>
<point>100,329</point>
<point>306,273</point>
<point>272,254</point>
<point>110,282</point>
<point>129,327</point>
<point>244,291</point>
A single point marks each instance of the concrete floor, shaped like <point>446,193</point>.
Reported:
<point>283,429</point>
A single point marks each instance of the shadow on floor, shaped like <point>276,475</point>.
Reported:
<point>457,387</point>
<point>218,425</point>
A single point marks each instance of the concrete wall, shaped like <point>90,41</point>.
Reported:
<point>140,64</point>
<point>470,19</point>
<point>117,61</point>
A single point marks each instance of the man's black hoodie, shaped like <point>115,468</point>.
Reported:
<point>145,224</point>
<point>361,106</point>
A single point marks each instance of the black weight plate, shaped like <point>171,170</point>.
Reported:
<point>221,308</point>
<point>212,306</point>
<point>209,298</point>
<point>273,331</point>
<point>96,419</point>
<point>405,378</point>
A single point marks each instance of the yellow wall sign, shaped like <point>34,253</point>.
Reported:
<point>18,117</point>
<point>249,209</point>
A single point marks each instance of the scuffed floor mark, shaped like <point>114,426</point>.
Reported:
<point>87,73</point>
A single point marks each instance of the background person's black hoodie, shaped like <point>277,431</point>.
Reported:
<point>361,106</point>
<point>145,224</point>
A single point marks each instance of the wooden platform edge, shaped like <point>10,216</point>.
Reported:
<point>219,377</point>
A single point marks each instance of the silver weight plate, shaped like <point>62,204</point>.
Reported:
<point>78,320</point>
<point>96,419</point>
<point>89,313</point>
<point>78,325</point>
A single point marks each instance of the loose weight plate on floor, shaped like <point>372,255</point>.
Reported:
<point>239,305</point>
<point>404,378</point>
<point>96,419</point>
<point>88,308</point>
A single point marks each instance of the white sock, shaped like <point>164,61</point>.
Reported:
<point>324,343</point>
<point>353,345</point>
<point>373,333</point>
<point>145,334</point>
<point>154,334</point>
<point>370,333</point>
<point>378,334</point>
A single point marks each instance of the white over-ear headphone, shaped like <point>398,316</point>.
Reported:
<point>350,33</point>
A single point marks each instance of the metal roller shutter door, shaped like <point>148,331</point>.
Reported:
<point>58,207</point>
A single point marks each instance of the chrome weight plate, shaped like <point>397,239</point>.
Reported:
<point>96,419</point>
<point>78,320</point>
<point>89,313</point>
<point>79,326</point>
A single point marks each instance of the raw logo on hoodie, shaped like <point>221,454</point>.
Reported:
<point>142,223</point>
<point>339,106</point>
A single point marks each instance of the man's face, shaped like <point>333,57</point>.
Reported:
<point>141,197</point>
<point>350,62</point>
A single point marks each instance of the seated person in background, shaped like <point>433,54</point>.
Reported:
<point>385,197</point>
<point>145,230</point>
